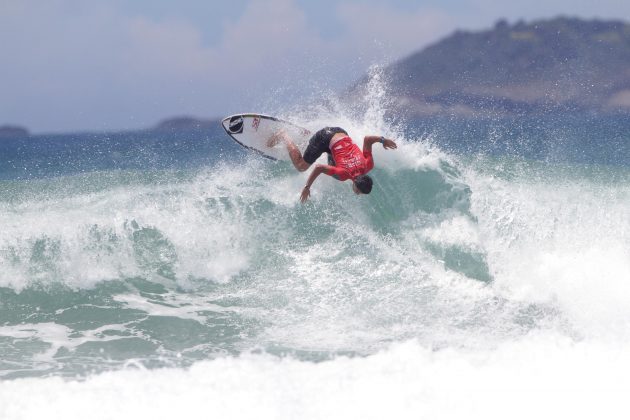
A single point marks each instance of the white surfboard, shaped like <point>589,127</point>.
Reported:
<point>252,131</point>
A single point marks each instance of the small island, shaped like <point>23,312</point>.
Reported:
<point>13,132</point>
<point>184,124</point>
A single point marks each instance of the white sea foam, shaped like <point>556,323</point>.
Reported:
<point>183,306</point>
<point>554,240</point>
<point>536,377</point>
<point>81,240</point>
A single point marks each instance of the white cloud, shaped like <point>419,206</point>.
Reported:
<point>378,31</point>
<point>268,30</point>
<point>71,64</point>
<point>87,65</point>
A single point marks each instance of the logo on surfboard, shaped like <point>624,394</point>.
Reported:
<point>236,124</point>
<point>256,123</point>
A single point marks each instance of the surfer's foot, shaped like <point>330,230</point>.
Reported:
<point>275,139</point>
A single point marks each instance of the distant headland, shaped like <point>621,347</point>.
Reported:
<point>172,125</point>
<point>13,131</point>
<point>562,64</point>
<point>183,123</point>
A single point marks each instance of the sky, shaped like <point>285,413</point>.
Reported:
<point>94,65</point>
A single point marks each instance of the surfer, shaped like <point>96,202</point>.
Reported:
<point>345,159</point>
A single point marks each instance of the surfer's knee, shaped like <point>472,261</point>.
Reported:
<point>301,165</point>
<point>298,160</point>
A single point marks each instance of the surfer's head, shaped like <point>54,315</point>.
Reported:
<point>362,184</point>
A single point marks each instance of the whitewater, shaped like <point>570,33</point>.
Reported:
<point>157,275</point>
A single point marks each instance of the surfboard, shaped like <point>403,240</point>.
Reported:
<point>253,131</point>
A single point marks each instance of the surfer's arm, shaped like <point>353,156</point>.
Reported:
<point>368,141</point>
<point>306,191</point>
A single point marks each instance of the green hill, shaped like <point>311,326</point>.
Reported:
<point>553,65</point>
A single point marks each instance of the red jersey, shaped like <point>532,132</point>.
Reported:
<point>350,161</point>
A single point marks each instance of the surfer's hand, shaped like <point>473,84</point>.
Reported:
<point>306,193</point>
<point>389,144</point>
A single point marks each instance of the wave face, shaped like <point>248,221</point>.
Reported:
<point>203,253</point>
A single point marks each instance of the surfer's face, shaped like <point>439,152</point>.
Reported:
<point>356,189</point>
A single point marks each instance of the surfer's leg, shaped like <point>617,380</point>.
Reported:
<point>317,145</point>
<point>294,152</point>
<point>296,157</point>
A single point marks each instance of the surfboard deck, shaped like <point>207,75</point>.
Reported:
<point>252,131</point>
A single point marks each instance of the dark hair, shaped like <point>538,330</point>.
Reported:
<point>363,183</point>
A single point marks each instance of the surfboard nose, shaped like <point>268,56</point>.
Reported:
<point>233,124</point>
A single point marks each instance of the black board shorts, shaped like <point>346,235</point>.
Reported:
<point>320,143</point>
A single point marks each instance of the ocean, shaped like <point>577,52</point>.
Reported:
<point>160,275</point>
